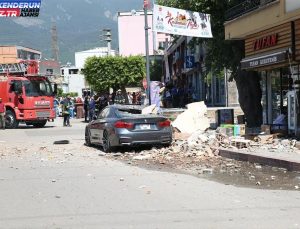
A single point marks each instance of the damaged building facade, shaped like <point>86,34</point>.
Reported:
<point>271,32</point>
<point>184,67</point>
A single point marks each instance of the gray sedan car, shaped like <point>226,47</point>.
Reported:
<point>119,125</point>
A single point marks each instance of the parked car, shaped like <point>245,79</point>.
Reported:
<point>119,125</point>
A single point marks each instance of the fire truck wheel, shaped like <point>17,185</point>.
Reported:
<point>10,120</point>
<point>40,124</point>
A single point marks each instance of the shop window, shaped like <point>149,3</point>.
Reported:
<point>275,94</point>
<point>73,71</point>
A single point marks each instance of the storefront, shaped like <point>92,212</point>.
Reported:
<point>275,54</point>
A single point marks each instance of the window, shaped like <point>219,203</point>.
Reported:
<point>38,87</point>
<point>291,5</point>
<point>104,113</point>
<point>73,71</point>
<point>161,45</point>
<point>49,72</point>
<point>16,86</point>
<point>123,113</point>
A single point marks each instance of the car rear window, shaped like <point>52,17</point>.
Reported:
<point>128,113</point>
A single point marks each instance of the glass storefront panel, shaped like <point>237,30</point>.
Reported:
<point>264,100</point>
<point>275,93</point>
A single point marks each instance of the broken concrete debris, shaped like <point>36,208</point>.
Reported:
<point>193,119</point>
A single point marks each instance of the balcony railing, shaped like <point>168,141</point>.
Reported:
<point>245,7</point>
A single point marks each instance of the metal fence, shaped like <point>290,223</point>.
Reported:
<point>245,7</point>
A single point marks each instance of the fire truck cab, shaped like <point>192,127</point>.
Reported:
<point>27,98</point>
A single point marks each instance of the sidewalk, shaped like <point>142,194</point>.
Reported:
<point>283,159</point>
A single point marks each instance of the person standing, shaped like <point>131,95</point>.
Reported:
<point>129,96</point>
<point>92,107</point>
<point>79,107</point>
<point>110,99</point>
<point>2,114</point>
<point>66,112</point>
<point>86,108</point>
<point>119,99</point>
<point>133,98</point>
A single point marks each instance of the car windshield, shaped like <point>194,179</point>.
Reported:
<point>38,87</point>
<point>122,113</point>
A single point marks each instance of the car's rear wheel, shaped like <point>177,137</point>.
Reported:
<point>106,143</point>
<point>87,137</point>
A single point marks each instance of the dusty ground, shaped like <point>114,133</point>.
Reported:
<point>226,171</point>
<point>15,145</point>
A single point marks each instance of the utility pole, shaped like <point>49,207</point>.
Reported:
<point>108,39</point>
<point>54,43</point>
<point>146,5</point>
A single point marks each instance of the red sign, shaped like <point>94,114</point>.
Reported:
<point>265,42</point>
<point>10,12</point>
<point>145,84</point>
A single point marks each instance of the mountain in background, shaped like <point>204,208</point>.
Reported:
<point>79,26</point>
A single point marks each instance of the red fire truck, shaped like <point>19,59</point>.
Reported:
<point>27,97</point>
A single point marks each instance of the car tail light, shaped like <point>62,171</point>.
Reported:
<point>125,125</point>
<point>166,123</point>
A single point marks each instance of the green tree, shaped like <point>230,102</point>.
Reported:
<point>222,54</point>
<point>115,72</point>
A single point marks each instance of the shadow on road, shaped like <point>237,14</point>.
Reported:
<point>32,127</point>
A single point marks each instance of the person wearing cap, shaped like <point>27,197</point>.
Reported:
<point>119,99</point>
<point>92,107</point>
<point>2,114</point>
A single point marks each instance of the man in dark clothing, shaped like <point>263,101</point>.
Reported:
<point>175,97</point>
<point>119,99</point>
<point>102,101</point>
<point>92,107</point>
<point>65,110</point>
<point>86,108</point>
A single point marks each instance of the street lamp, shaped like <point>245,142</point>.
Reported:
<point>146,4</point>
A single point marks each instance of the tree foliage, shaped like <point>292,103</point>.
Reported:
<point>221,53</point>
<point>114,72</point>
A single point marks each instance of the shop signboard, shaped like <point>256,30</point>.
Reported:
<point>269,41</point>
<point>190,61</point>
<point>181,22</point>
<point>264,60</point>
<point>20,8</point>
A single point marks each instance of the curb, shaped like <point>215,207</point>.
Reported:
<point>290,165</point>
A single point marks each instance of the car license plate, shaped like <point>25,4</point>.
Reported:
<point>145,126</point>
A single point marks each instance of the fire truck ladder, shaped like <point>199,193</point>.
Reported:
<point>12,69</point>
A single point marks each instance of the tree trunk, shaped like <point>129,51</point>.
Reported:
<point>250,95</point>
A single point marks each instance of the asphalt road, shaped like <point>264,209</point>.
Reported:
<point>70,186</point>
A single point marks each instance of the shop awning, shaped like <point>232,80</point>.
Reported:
<point>264,60</point>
